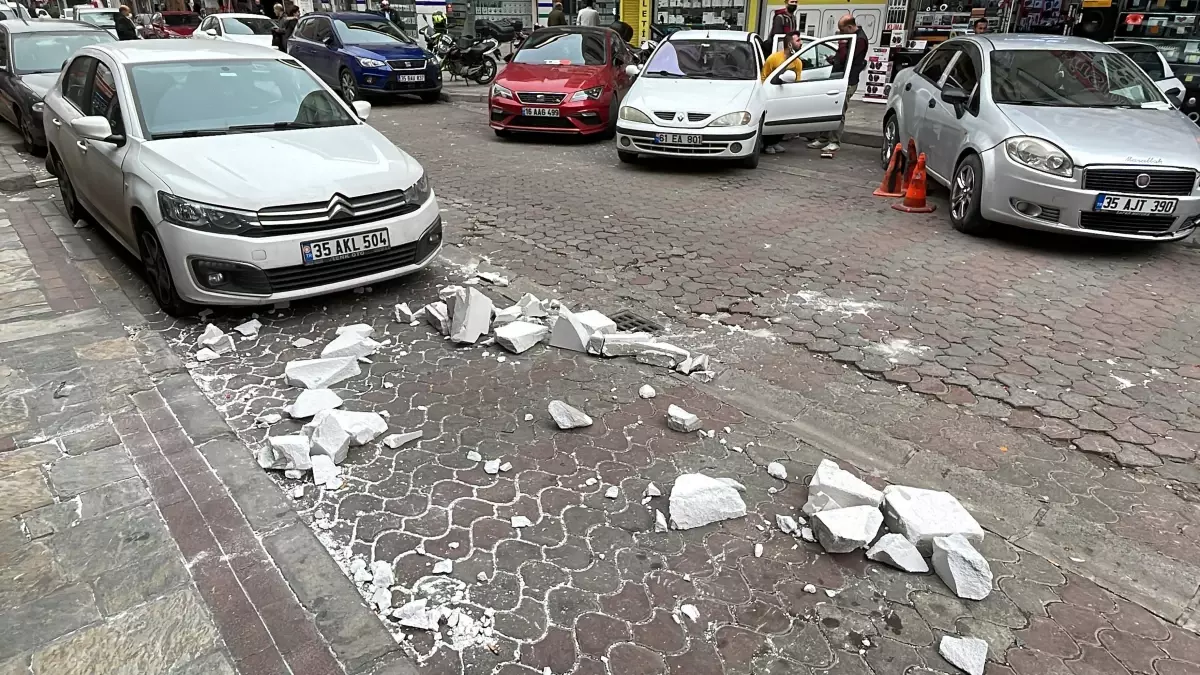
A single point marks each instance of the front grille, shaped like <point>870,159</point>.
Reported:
<point>1162,181</point>
<point>407,64</point>
<point>1120,223</point>
<point>306,276</point>
<point>670,116</point>
<point>535,98</point>
<point>543,122</point>
<point>317,216</point>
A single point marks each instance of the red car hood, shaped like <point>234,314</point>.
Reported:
<point>180,30</point>
<point>550,78</point>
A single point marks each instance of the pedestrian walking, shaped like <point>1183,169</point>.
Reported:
<point>830,142</point>
<point>284,32</point>
<point>783,21</point>
<point>556,17</point>
<point>791,42</point>
<point>126,29</point>
<point>588,16</point>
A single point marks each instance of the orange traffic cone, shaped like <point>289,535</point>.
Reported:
<point>912,162</point>
<point>893,178</point>
<point>914,199</point>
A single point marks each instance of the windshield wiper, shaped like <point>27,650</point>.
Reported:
<point>190,133</point>
<point>272,126</point>
<point>665,73</point>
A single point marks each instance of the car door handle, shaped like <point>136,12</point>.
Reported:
<point>833,92</point>
<point>933,103</point>
<point>56,122</point>
<point>908,87</point>
<point>82,145</point>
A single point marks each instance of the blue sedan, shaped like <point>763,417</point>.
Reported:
<point>359,53</point>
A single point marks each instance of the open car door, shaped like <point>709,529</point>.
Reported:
<point>814,102</point>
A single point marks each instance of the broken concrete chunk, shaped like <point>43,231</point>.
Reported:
<point>491,467</point>
<point>493,278</point>
<point>438,316</point>
<point>443,567</point>
<point>660,521</point>
<point>320,373</point>
<point>506,316</point>
<point>831,485</point>
<point>596,322</point>
<point>312,401</point>
<point>473,456</point>
<point>646,391</point>
<point>333,431</point>
<point>519,336</point>
<point>350,344</point>
<point>403,313</point>
<point>531,307</point>
<point>698,500</point>
<point>506,467</point>
<point>301,343</point>
<point>205,354</point>
<point>703,376</point>
<point>787,524</point>
<point>381,599</point>
<point>844,530</point>
<point>362,329</point>
<point>520,521</point>
<point>619,344</point>
<point>777,470</point>
<point>893,549</point>
<point>612,492</point>
<point>691,612</point>
<point>397,440</point>
<point>215,339</point>
<point>733,484</point>
<point>471,316</point>
<point>249,328</point>
<point>921,515</point>
<point>269,458</point>
<point>653,491</point>
<point>806,534</point>
<point>698,362</point>
<point>569,332</point>
<point>298,492</point>
<point>961,567</point>
<point>324,471</point>
<point>382,574</point>
<point>294,449</point>
<point>416,615</point>
<point>679,419</point>
<point>567,417</point>
<point>653,357</point>
<point>967,654</point>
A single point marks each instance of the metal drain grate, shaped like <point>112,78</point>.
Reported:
<point>627,321</point>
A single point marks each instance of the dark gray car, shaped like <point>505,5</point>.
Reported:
<point>31,56</point>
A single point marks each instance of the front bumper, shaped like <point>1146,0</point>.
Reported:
<point>1063,206</point>
<point>264,270</point>
<point>717,143</point>
<point>580,117</point>
<point>384,81</point>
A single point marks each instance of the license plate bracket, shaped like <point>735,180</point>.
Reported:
<point>678,139</point>
<point>1135,204</point>
<point>347,246</point>
<point>540,112</point>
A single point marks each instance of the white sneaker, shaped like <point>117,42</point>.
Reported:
<point>832,147</point>
<point>771,149</point>
<point>777,149</point>
<point>816,143</point>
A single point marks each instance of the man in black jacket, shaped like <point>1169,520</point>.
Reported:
<point>126,29</point>
<point>831,141</point>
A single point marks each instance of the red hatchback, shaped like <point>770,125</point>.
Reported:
<point>175,24</point>
<point>568,79</point>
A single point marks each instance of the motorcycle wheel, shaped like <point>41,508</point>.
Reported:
<point>486,72</point>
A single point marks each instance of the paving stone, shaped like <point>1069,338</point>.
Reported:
<point>71,475</point>
<point>28,458</point>
<point>112,497</point>
<point>51,518</point>
<point>27,572</point>
<point>23,491</point>
<point>125,538</point>
<point>154,575</point>
<point>46,618</point>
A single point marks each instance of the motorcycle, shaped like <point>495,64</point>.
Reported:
<point>468,58</point>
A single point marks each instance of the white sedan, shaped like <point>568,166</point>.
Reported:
<point>701,95</point>
<point>253,29</point>
<point>234,174</point>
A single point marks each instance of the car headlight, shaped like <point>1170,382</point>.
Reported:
<point>1036,153</point>
<point>419,192</point>
<point>501,92</point>
<point>736,119</point>
<point>587,94</point>
<point>38,107</point>
<point>371,63</point>
<point>631,114</point>
<point>197,216</point>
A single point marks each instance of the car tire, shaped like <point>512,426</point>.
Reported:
<point>966,188</point>
<point>27,137</point>
<point>891,136</point>
<point>66,190</point>
<point>751,161</point>
<point>347,86</point>
<point>158,274</point>
<point>627,157</point>
<point>431,96</point>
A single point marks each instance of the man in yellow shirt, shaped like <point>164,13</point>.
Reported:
<point>791,43</point>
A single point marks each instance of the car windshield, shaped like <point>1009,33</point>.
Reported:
<point>704,60</point>
<point>46,52</point>
<point>1070,78</point>
<point>562,49</point>
<point>8,13</point>
<point>369,31</point>
<point>181,19</point>
<point>101,19</point>
<point>217,97</point>
<point>245,25</point>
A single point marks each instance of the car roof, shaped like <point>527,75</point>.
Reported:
<point>347,15</point>
<point>159,51</point>
<point>725,35</point>
<point>1033,41</point>
<point>1130,43</point>
<point>599,30</point>
<point>236,15</point>
<point>174,12</point>
<point>19,26</point>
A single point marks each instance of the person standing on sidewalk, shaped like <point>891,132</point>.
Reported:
<point>126,30</point>
<point>556,17</point>
<point>791,42</point>
<point>588,16</point>
<point>829,143</point>
<point>783,21</point>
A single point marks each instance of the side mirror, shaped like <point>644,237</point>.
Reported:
<point>955,96</point>
<point>632,70</point>
<point>96,128</point>
<point>1175,96</point>
<point>210,32</point>
<point>787,77</point>
<point>362,109</point>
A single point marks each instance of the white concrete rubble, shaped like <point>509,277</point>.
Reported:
<point>403,313</point>
<point>416,615</point>
<point>382,574</point>
<point>520,521</point>
<point>394,441</point>
<point>531,307</point>
<point>362,329</point>
<point>506,316</point>
<point>443,567</point>
<point>831,485</point>
<point>733,484</point>
<point>617,344</point>
<point>893,549</point>
<point>320,373</point>
<point>646,391</point>
<point>922,515</point>
<point>653,491</point>
<point>491,467</point>
<point>961,567</point>
<point>493,278</point>
<point>567,417</point>
<point>656,358</point>
<point>660,521</point>
<point>301,343</point>
<point>569,333</point>
<point>777,470</point>
<point>691,612</point>
<point>596,322</point>
<point>312,401</point>
<point>473,456</point>
<point>471,316</point>
<point>215,339</point>
<point>205,354</point>
<point>806,534</point>
<point>519,336</point>
<point>438,316</point>
<point>698,500</point>
<point>249,328</point>
<point>967,654</point>
<point>844,530</point>
<point>787,524</point>
<point>294,448</point>
<point>324,471</point>
<point>703,376</point>
<point>333,431</point>
<point>679,419</point>
<point>612,492</point>
<point>352,345</point>
<point>810,589</point>
<point>699,362</point>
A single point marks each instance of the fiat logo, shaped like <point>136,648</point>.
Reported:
<point>1142,181</point>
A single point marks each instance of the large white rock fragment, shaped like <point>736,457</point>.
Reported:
<point>398,440</point>
<point>471,316</point>
<point>569,332</point>
<point>354,345</point>
<point>660,359</point>
<point>294,449</point>
<point>660,521</point>
<point>619,344</point>
<point>531,307</point>
<point>215,339</point>
<point>445,566</point>
<point>493,278</point>
<point>787,524</point>
<point>818,503</point>
<point>519,336</point>
<point>967,654</point>
<point>961,567</point>
<point>438,316</point>
<point>830,482</point>
<point>320,373</point>
<point>382,574</point>
<point>697,500</point>
<point>921,515</point>
<point>205,354</point>
<point>681,420</point>
<point>312,401</point>
<point>324,471</point>
<point>646,391</point>
<point>333,431</point>
<point>362,329</point>
<point>777,470</point>
<point>595,322</point>
<point>415,614</point>
<point>893,549</point>
<point>567,417</point>
<point>696,363</point>
<point>844,530</point>
<point>520,521</point>
<point>301,343</point>
<point>404,314</point>
<point>506,316</point>
<point>249,328</point>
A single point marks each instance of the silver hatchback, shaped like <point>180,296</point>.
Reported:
<point>1050,133</point>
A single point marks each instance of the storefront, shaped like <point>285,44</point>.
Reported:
<point>1172,27</point>
<point>692,14</point>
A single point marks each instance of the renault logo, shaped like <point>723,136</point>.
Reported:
<point>1142,180</point>
<point>679,117</point>
<point>339,208</point>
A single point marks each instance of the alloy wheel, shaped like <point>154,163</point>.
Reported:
<point>67,190</point>
<point>349,90</point>
<point>964,191</point>
<point>890,134</point>
<point>27,133</point>
<point>157,270</point>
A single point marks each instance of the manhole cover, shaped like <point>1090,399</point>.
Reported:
<point>627,321</point>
